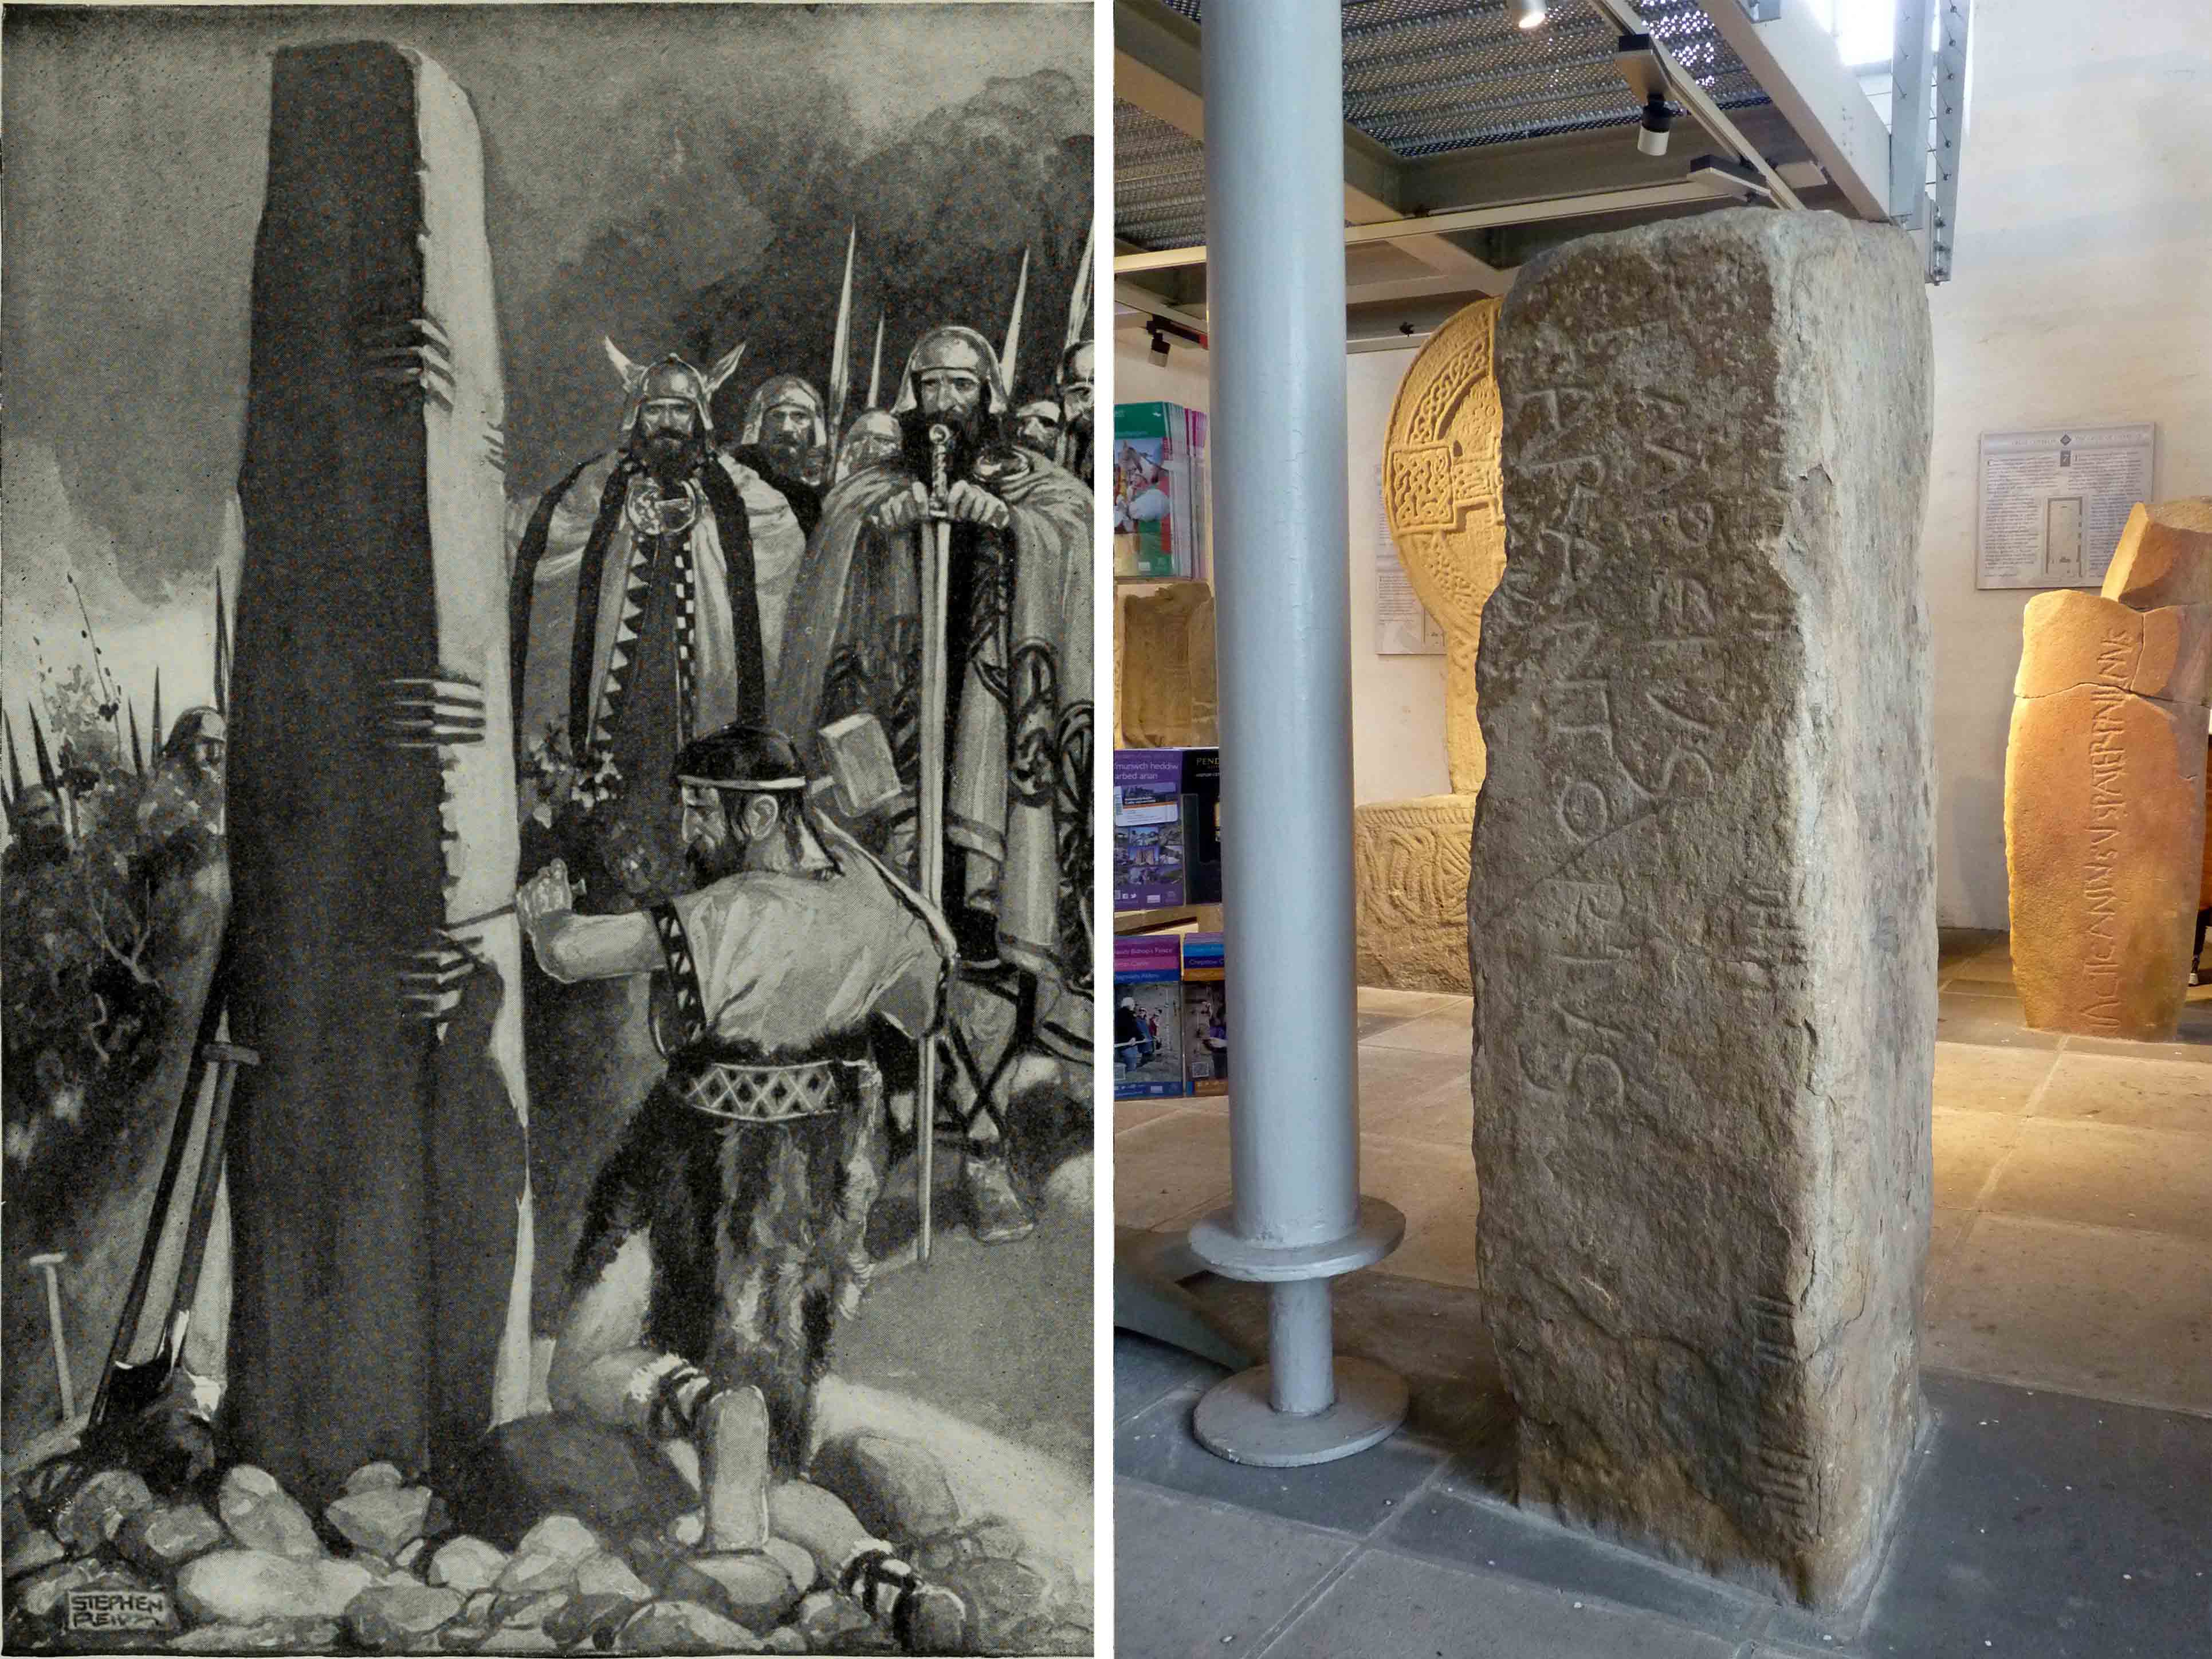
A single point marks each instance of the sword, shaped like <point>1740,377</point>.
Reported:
<point>936,569</point>
<point>1078,304</point>
<point>875,366</point>
<point>841,350</point>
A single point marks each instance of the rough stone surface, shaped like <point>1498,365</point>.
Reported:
<point>2105,785</point>
<point>162,1539</point>
<point>1409,861</point>
<point>1442,492</point>
<point>1703,927</point>
<point>755,1590</point>
<point>467,1564</point>
<point>374,1477</point>
<point>685,1627</point>
<point>824,1615</point>
<point>41,1594</point>
<point>30,1550</point>
<point>548,1556</point>
<point>244,1587</point>
<point>896,1487</point>
<point>796,1561</point>
<point>384,1520</point>
<point>95,1512</point>
<point>395,1618</point>
<point>1165,694</point>
<point>610,1575</point>
<point>262,1516</point>
<point>1002,1597</point>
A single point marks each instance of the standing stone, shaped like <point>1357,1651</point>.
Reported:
<point>2105,785</point>
<point>1703,932</point>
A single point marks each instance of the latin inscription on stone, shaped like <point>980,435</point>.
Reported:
<point>1702,929</point>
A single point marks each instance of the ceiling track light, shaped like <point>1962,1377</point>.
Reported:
<point>1638,61</point>
<point>1528,14</point>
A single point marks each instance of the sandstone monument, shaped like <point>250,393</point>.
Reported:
<point>1163,689</point>
<point>2104,784</point>
<point>1440,488</point>
<point>1702,925</point>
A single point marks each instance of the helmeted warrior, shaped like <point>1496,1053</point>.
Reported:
<point>725,1236</point>
<point>1078,407</point>
<point>1018,726</point>
<point>872,439</point>
<point>1038,426</point>
<point>786,438</point>
<point>648,600</point>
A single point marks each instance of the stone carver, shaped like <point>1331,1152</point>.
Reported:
<point>725,1236</point>
<point>2104,784</point>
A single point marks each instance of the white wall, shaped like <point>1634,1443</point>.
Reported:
<point>2082,296</point>
<point>1397,703</point>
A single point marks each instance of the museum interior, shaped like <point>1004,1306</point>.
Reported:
<point>1664,1025</point>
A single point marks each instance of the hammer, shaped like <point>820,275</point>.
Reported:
<point>51,1262</point>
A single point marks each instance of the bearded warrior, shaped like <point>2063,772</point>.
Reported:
<point>1078,408</point>
<point>648,600</point>
<point>1018,726</point>
<point>786,439</point>
<point>1037,426</point>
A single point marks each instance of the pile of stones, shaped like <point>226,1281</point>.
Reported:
<point>387,1569</point>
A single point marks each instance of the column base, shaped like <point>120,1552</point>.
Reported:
<point>1378,1231</point>
<point>1235,1419</point>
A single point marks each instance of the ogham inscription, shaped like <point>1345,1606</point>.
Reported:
<point>1702,881</point>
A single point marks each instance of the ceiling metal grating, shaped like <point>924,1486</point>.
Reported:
<point>1429,77</point>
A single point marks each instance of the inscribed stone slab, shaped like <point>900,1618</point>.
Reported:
<point>1703,931</point>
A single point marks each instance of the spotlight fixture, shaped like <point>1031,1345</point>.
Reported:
<point>1528,14</point>
<point>1159,350</point>
<point>1640,65</point>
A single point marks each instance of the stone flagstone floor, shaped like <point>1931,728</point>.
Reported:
<point>2065,1503</point>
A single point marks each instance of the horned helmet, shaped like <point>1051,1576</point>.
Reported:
<point>786,391</point>
<point>672,380</point>
<point>952,347</point>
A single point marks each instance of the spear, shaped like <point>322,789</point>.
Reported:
<point>222,650</point>
<point>876,367</point>
<point>159,734</point>
<point>39,750</point>
<point>840,351</point>
<point>1079,305</point>
<point>1014,327</point>
<point>138,753</point>
<point>15,762</point>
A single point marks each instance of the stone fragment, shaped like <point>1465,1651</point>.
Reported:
<point>96,1510</point>
<point>374,1477</point>
<point>531,1609</point>
<point>591,1618</point>
<point>824,1615</point>
<point>467,1564</point>
<point>244,1587</point>
<point>560,1463</point>
<point>262,1516</point>
<point>2104,832</point>
<point>412,1555</point>
<point>1409,861</point>
<point>396,1618</point>
<point>383,1520</point>
<point>797,1560</point>
<point>41,1594</point>
<point>684,1627</point>
<point>896,1488</point>
<point>754,1589</point>
<point>548,1556</point>
<point>28,1552</point>
<point>1001,1595</point>
<point>518,1638</point>
<point>162,1539</point>
<point>1702,918</point>
<point>608,1574</point>
<point>786,1639</point>
<point>2070,639</point>
<point>690,1528</point>
<point>270,1636</point>
<point>2164,557</point>
<point>1165,690</point>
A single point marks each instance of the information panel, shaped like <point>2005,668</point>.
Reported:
<point>2053,502</point>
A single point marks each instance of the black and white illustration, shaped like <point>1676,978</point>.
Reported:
<point>547,923</point>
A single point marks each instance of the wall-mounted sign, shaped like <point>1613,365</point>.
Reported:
<point>2053,502</point>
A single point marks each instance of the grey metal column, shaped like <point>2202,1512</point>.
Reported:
<point>1274,189</point>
